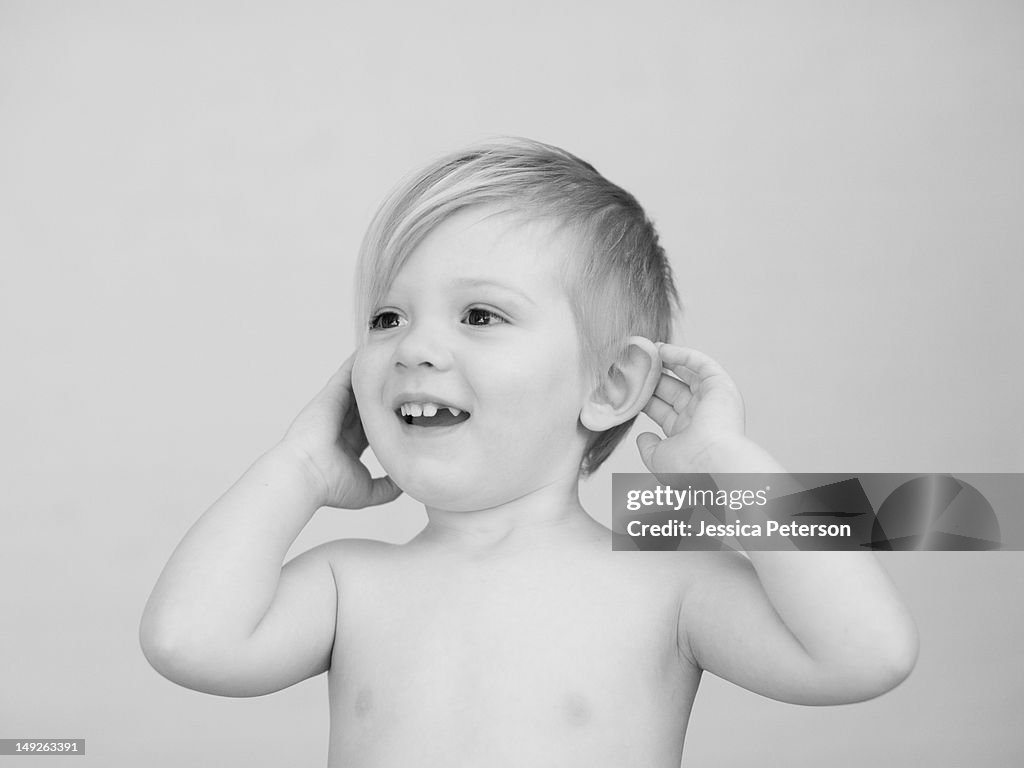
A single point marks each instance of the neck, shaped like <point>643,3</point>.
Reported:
<point>548,516</point>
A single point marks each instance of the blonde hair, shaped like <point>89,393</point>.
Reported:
<point>618,280</point>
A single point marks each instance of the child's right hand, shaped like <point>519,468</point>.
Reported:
<point>327,438</point>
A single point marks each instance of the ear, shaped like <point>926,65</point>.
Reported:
<point>624,388</point>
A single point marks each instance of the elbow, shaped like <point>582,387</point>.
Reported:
<point>866,669</point>
<point>160,639</point>
<point>152,640</point>
<point>185,659</point>
<point>887,663</point>
<point>202,662</point>
<point>164,649</point>
<point>900,656</point>
<point>900,651</point>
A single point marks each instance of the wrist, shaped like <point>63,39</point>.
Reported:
<point>736,454</point>
<point>294,465</point>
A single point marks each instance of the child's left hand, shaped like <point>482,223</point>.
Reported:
<point>698,410</point>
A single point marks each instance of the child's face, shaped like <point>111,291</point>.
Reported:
<point>476,320</point>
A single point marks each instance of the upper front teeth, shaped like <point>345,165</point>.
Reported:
<point>426,409</point>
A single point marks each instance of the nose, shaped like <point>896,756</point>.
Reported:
<point>423,346</point>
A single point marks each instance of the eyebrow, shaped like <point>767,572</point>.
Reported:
<point>475,282</point>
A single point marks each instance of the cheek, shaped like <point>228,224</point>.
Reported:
<point>539,389</point>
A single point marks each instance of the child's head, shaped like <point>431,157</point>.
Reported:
<point>610,265</point>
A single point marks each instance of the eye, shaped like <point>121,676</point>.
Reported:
<point>480,316</point>
<point>384,321</point>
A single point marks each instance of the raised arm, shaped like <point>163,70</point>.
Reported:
<point>802,627</point>
<point>225,617</point>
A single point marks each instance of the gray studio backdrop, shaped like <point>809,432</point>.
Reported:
<point>182,190</point>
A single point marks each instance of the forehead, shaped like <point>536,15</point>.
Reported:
<point>484,242</point>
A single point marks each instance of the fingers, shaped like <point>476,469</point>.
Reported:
<point>340,382</point>
<point>673,391</point>
<point>662,413</point>
<point>352,431</point>
<point>383,490</point>
<point>669,401</point>
<point>336,395</point>
<point>646,443</point>
<point>689,364</point>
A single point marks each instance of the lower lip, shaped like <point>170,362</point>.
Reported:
<point>413,430</point>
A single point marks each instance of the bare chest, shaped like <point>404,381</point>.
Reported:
<point>514,657</point>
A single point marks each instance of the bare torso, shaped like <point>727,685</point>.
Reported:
<point>530,657</point>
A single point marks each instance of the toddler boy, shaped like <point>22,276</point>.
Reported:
<point>515,309</point>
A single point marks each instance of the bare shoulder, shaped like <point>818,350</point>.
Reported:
<point>347,554</point>
<point>683,571</point>
<point>713,566</point>
<point>363,548</point>
<point>709,576</point>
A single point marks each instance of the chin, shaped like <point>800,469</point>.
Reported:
<point>465,477</point>
<point>432,482</point>
<point>443,485</point>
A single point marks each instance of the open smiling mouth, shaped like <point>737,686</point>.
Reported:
<point>431,414</point>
